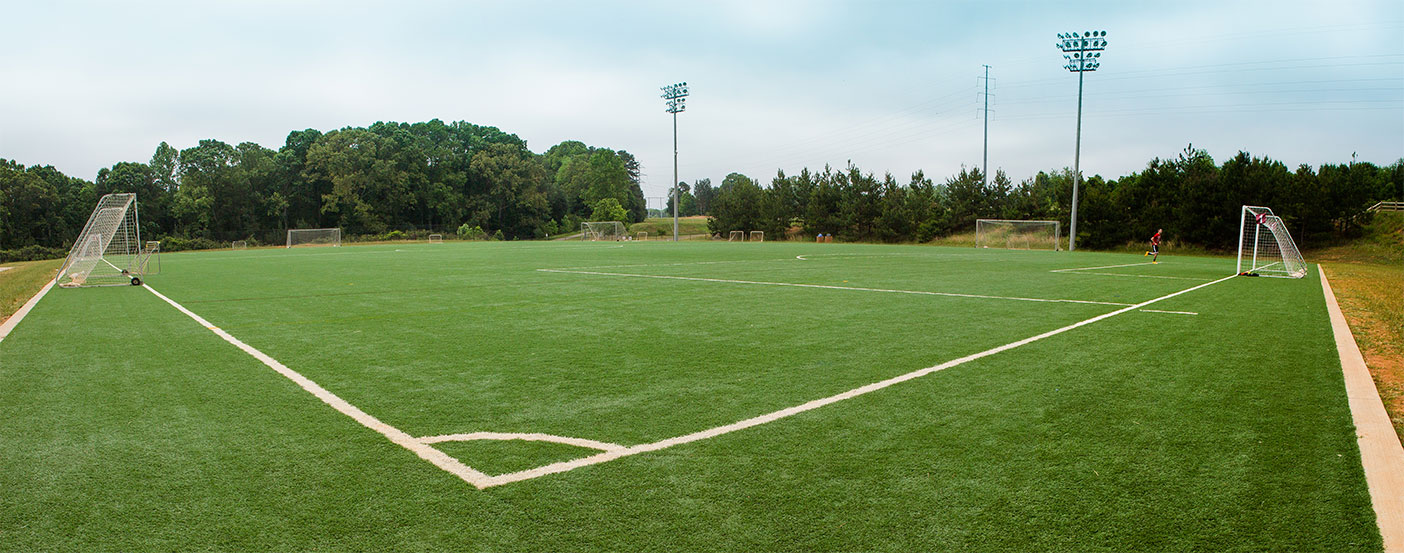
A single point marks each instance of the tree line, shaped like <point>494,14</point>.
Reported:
<point>390,179</point>
<point>1193,198</point>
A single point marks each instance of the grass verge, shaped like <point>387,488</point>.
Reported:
<point>19,284</point>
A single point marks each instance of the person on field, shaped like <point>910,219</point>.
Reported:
<point>1155,246</point>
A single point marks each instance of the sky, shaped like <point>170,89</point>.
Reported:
<point>890,86</point>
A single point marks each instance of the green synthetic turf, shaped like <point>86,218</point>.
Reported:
<point>127,426</point>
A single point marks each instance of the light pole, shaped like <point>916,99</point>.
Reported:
<point>1082,52</point>
<point>676,95</point>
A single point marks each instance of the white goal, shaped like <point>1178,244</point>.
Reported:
<point>757,236</point>
<point>108,251</point>
<point>736,236</point>
<point>602,230</point>
<point>1265,247</point>
<point>314,237</point>
<point>436,239</point>
<point>239,245</point>
<point>641,236</point>
<point>1017,234</point>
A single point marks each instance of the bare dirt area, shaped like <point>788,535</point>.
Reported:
<point>1372,299</point>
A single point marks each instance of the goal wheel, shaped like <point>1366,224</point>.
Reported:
<point>136,281</point>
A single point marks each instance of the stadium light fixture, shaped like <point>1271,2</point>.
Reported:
<point>676,95</point>
<point>1083,53</point>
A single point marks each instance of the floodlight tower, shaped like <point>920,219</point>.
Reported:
<point>1082,52</point>
<point>676,95</point>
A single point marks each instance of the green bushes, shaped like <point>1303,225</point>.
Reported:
<point>32,253</point>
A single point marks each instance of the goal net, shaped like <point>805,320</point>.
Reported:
<point>1265,248</point>
<point>736,236</point>
<point>108,250</point>
<point>314,237</point>
<point>757,236</point>
<point>602,230</point>
<point>1017,235</point>
<point>436,239</point>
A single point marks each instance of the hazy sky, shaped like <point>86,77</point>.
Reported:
<point>892,86</point>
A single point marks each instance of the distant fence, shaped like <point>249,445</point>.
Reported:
<point>1386,206</point>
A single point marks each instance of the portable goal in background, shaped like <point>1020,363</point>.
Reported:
<point>1265,248</point>
<point>436,239</point>
<point>314,237</point>
<point>1017,234</point>
<point>109,250</point>
<point>641,236</point>
<point>736,236</point>
<point>602,230</point>
<point>757,236</point>
<point>239,245</point>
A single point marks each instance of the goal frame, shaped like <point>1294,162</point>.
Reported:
<point>1277,245</point>
<point>335,232</point>
<point>1057,231</point>
<point>736,236</point>
<point>597,231</point>
<point>436,239</point>
<point>641,235</point>
<point>108,251</point>
<point>756,236</point>
<point>239,245</point>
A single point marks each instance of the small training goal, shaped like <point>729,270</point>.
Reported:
<point>109,250</point>
<point>314,237</point>
<point>1017,234</point>
<point>436,239</point>
<point>1265,248</point>
<point>239,245</point>
<point>641,236</point>
<point>736,236</point>
<point>757,236</point>
<point>602,230</point>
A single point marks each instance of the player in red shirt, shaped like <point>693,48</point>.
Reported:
<point>1155,246</point>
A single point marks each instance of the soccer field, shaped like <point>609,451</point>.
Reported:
<point>679,396</point>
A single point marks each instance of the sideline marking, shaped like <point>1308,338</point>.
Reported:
<point>399,437</point>
<point>530,437</point>
<point>831,287</point>
<point>10,323</point>
<point>1079,270</point>
<point>1381,454</point>
<point>1170,312</point>
<point>815,404</point>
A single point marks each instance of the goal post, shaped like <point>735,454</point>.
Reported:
<point>1265,248</point>
<point>108,251</point>
<point>601,230</point>
<point>736,236</point>
<point>1017,234</point>
<point>314,237</point>
<point>757,236</point>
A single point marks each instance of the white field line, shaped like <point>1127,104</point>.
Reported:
<point>777,415</point>
<point>423,450</point>
<point>1143,276</point>
<point>1170,312</point>
<point>530,437</point>
<point>831,287</point>
<point>14,319</point>
<point>1101,267</point>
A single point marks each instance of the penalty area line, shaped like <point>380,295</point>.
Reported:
<point>832,287</point>
<point>399,437</point>
<point>606,456</point>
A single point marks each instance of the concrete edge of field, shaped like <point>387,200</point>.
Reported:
<point>14,319</point>
<point>1381,453</point>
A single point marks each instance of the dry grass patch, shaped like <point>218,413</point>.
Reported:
<point>21,282</point>
<point>1372,299</point>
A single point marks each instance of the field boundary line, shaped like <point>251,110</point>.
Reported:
<point>573,464</point>
<point>529,437</point>
<point>399,437</point>
<point>832,287</point>
<point>19,314</point>
<point>1381,454</point>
